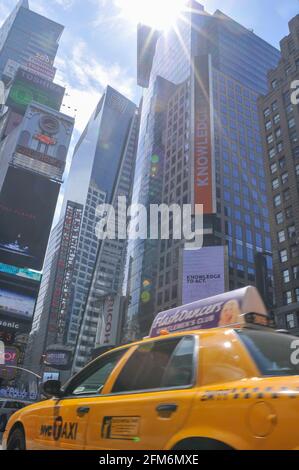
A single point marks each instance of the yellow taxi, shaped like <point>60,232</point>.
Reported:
<point>210,375</point>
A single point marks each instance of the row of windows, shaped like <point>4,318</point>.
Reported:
<point>285,254</point>
<point>291,296</point>
<point>293,275</point>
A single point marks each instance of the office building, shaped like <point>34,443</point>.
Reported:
<point>81,269</point>
<point>208,70</point>
<point>280,129</point>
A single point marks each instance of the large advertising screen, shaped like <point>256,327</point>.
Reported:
<point>44,141</point>
<point>28,87</point>
<point>204,273</point>
<point>17,304</point>
<point>204,171</point>
<point>27,206</point>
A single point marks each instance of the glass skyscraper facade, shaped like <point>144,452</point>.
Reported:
<point>164,170</point>
<point>26,34</point>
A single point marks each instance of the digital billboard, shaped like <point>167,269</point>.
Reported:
<point>28,87</point>
<point>16,304</point>
<point>65,269</point>
<point>204,273</point>
<point>11,356</point>
<point>58,358</point>
<point>43,141</point>
<point>27,206</point>
<point>204,184</point>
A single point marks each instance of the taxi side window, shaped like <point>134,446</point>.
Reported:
<point>93,378</point>
<point>158,365</point>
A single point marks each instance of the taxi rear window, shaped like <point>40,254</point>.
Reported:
<point>272,352</point>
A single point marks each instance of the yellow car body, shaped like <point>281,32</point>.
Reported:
<point>229,403</point>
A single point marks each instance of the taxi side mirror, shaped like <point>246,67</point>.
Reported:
<point>52,388</point>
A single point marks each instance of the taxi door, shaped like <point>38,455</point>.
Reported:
<point>150,399</point>
<point>63,422</point>
<point>57,424</point>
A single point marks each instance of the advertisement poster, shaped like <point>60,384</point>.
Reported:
<point>204,273</point>
<point>25,218</point>
<point>218,311</point>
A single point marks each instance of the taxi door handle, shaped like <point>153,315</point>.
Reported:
<point>83,410</point>
<point>167,408</point>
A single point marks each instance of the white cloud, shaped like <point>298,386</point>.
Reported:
<point>86,78</point>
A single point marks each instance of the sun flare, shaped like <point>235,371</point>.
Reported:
<point>159,14</point>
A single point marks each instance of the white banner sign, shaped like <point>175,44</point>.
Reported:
<point>203,273</point>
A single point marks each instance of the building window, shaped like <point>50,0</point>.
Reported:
<point>282,162</point>
<point>283,256</point>
<point>277,200</point>
<point>297,294</point>
<point>285,177</point>
<point>294,137</point>
<point>268,125</point>
<point>274,106</point>
<point>267,112</point>
<point>272,152</point>
<point>295,251</point>
<point>287,195</point>
<point>286,276</point>
<point>291,123</point>
<point>279,218</point>
<point>273,168</point>
<point>281,236</point>
<point>290,318</point>
<point>276,118</point>
<point>275,183</point>
<point>292,231</point>
<point>274,83</point>
<point>296,272</point>
<point>289,212</point>
<point>280,146</point>
<point>270,138</point>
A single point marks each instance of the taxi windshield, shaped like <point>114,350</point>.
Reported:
<point>274,353</point>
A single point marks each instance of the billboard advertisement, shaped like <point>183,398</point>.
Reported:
<point>28,87</point>
<point>44,141</point>
<point>26,216</point>
<point>204,273</point>
<point>64,271</point>
<point>231,308</point>
<point>110,307</point>
<point>11,356</point>
<point>18,295</point>
<point>58,358</point>
<point>16,304</point>
<point>204,171</point>
<point>38,64</point>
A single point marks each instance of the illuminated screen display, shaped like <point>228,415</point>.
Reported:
<point>28,87</point>
<point>16,304</point>
<point>58,359</point>
<point>26,216</point>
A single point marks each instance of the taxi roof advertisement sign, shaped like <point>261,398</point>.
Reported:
<point>204,273</point>
<point>218,311</point>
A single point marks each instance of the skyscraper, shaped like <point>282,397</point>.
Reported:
<point>80,269</point>
<point>34,142</point>
<point>280,129</point>
<point>208,68</point>
<point>28,39</point>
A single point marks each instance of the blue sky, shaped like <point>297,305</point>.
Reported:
<point>99,42</point>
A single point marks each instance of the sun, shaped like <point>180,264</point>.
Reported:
<point>159,14</point>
